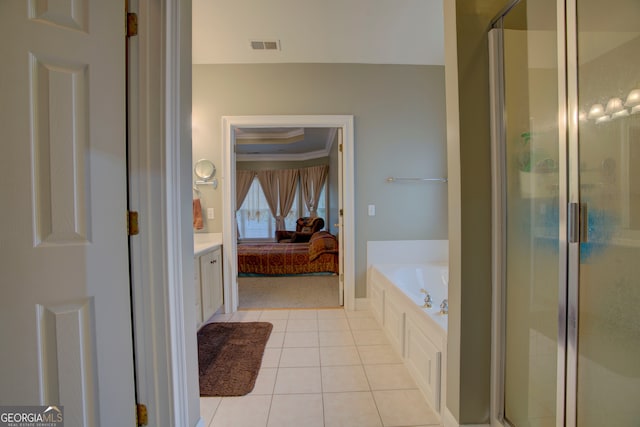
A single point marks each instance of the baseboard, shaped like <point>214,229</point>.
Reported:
<point>448,420</point>
<point>362,304</point>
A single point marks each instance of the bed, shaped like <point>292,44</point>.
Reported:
<point>319,255</point>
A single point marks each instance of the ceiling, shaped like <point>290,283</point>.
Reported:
<point>312,31</point>
<point>294,144</point>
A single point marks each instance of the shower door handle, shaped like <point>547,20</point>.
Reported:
<point>578,223</point>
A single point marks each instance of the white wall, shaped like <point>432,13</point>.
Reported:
<point>399,115</point>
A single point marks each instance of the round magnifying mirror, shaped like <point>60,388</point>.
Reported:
<point>204,169</point>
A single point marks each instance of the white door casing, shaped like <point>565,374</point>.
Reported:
<point>65,311</point>
<point>340,216</point>
<point>346,129</point>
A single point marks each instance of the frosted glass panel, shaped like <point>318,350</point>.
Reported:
<point>532,245</point>
<point>609,140</point>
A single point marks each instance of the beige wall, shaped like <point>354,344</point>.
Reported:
<point>469,161</point>
<point>399,120</point>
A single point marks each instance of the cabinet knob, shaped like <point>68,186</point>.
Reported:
<point>213,261</point>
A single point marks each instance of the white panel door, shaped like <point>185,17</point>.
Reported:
<point>65,320</point>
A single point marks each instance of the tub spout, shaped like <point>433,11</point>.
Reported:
<point>428,303</point>
<point>444,307</point>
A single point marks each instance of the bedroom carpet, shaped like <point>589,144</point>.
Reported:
<point>229,357</point>
<point>288,292</point>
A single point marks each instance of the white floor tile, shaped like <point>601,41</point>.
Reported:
<point>389,377</point>
<point>274,315</point>
<point>301,339</point>
<point>323,368</point>
<point>246,316</point>
<point>336,338</point>
<point>271,357</point>
<point>245,411</point>
<point>296,410</point>
<point>298,380</point>
<point>300,357</point>
<point>370,338</point>
<point>344,378</point>
<point>350,409</point>
<point>333,325</point>
<point>404,408</point>
<point>332,314</point>
<point>303,314</point>
<point>358,313</point>
<point>265,382</point>
<point>208,406</point>
<point>364,324</point>
<point>339,356</point>
<point>279,325</point>
<point>275,340</point>
<point>300,325</point>
<point>222,317</point>
<point>377,354</point>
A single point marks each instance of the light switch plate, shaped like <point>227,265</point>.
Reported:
<point>372,210</point>
<point>210,213</point>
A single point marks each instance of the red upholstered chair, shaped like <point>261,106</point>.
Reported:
<point>305,227</point>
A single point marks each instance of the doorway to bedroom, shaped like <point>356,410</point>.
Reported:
<point>287,216</point>
<point>286,213</point>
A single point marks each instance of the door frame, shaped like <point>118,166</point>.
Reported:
<point>164,332</point>
<point>228,172</point>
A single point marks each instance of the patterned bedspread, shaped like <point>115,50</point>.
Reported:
<point>286,258</point>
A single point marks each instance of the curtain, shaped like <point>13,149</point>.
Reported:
<point>269,183</point>
<point>287,186</point>
<point>312,179</point>
<point>244,179</point>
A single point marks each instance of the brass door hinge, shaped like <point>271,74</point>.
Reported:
<point>340,148</point>
<point>142,419</point>
<point>341,212</point>
<point>132,24</point>
<point>132,223</point>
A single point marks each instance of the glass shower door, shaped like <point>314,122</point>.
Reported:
<point>607,290</point>
<point>530,223</point>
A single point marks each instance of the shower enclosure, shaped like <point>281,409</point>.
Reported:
<point>565,79</point>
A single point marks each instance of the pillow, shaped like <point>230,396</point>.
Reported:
<point>300,237</point>
<point>322,242</point>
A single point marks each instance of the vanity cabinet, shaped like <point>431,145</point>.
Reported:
<point>198,292</point>
<point>211,283</point>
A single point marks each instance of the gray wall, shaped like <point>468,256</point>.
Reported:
<point>469,157</point>
<point>399,113</point>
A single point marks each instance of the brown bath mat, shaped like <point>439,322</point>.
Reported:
<point>230,355</point>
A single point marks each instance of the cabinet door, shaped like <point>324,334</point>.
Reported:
<point>211,283</point>
<point>216,280</point>
<point>196,284</point>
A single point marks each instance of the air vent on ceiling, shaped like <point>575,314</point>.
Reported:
<point>265,44</point>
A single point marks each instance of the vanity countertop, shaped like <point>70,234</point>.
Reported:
<point>205,242</point>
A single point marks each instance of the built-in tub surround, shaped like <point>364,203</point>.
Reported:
<point>399,277</point>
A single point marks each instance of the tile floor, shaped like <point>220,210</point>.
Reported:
<point>323,368</point>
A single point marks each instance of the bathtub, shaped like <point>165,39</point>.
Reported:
<point>412,278</point>
<point>418,334</point>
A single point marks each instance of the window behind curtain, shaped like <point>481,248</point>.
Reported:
<point>254,217</point>
<point>322,205</point>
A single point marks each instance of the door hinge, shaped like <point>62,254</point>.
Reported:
<point>341,213</point>
<point>132,24</point>
<point>142,419</point>
<point>340,148</point>
<point>132,223</point>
